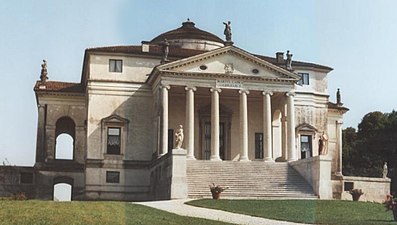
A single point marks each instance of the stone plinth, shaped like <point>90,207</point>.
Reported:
<point>178,176</point>
<point>317,172</point>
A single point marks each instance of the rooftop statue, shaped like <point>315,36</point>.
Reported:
<point>165,50</point>
<point>289,61</point>
<point>228,31</point>
<point>43,76</point>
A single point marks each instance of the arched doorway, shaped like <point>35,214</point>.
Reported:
<point>65,138</point>
<point>63,189</point>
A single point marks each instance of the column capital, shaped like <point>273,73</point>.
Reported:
<point>40,106</point>
<point>339,122</point>
<point>267,93</point>
<point>216,89</point>
<point>165,86</point>
<point>290,94</point>
<point>187,88</point>
<point>241,91</point>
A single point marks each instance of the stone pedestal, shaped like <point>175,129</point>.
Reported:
<point>178,177</point>
<point>317,172</point>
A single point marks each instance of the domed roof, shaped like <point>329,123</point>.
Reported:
<point>187,31</point>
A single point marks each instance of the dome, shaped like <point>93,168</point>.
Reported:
<point>190,37</point>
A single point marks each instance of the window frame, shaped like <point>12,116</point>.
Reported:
<point>258,145</point>
<point>305,79</point>
<point>107,140</point>
<point>113,66</point>
<point>111,181</point>
<point>310,142</point>
<point>114,121</point>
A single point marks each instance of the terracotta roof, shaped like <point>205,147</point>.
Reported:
<point>176,53</point>
<point>294,63</point>
<point>187,31</point>
<point>154,50</point>
<point>58,86</point>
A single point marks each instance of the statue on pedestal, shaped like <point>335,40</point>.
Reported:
<point>289,61</point>
<point>385,170</point>
<point>43,76</point>
<point>228,31</point>
<point>179,137</point>
<point>165,50</point>
<point>323,144</point>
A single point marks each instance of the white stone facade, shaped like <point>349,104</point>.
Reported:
<point>255,105</point>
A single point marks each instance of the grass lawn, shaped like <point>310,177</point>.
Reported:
<point>87,213</point>
<point>331,212</point>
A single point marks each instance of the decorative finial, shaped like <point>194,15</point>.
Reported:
<point>228,33</point>
<point>43,76</point>
<point>165,48</point>
<point>188,20</point>
<point>338,98</point>
<point>289,61</point>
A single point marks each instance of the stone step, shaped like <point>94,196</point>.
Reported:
<point>246,180</point>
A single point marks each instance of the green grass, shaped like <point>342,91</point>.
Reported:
<point>331,212</point>
<point>87,213</point>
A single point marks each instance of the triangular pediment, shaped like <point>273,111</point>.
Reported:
<point>231,61</point>
<point>114,119</point>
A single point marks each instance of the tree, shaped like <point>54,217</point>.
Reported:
<point>375,142</point>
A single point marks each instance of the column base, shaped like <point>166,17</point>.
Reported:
<point>190,157</point>
<point>215,158</point>
<point>244,159</point>
<point>268,160</point>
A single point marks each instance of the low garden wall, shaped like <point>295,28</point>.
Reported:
<point>375,189</point>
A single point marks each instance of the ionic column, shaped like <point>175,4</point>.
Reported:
<point>189,125</point>
<point>243,125</point>
<point>291,127</point>
<point>339,146</point>
<point>164,136</point>
<point>267,127</point>
<point>215,124</point>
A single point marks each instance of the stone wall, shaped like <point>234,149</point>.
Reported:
<point>375,189</point>
<point>317,172</point>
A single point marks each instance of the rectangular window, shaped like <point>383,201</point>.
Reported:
<point>258,145</point>
<point>306,146</point>
<point>349,186</point>
<point>112,177</point>
<point>26,178</point>
<point>113,142</point>
<point>115,65</point>
<point>304,79</point>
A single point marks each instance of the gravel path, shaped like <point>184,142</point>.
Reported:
<point>179,207</point>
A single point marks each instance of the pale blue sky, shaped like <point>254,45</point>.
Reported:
<point>354,37</point>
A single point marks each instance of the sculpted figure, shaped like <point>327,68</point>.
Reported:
<point>228,31</point>
<point>43,76</point>
<point>385,170</point>
<point>165,47</point>
<point>323,144</point>
<point>289,61</point>
<point>338,98</point>
<point>179,137</point>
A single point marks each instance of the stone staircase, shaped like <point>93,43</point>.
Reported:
<point>246,180</point>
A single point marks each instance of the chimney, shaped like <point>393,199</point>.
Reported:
<point>280,57</point>
<point>145,46</point>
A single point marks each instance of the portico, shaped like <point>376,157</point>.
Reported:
<point>238,108</point>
